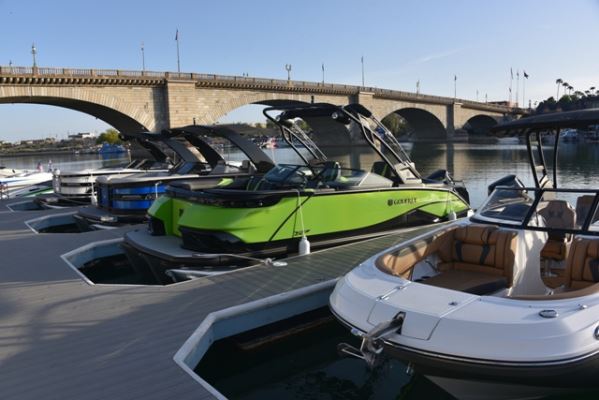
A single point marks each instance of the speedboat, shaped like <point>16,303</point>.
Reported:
<point>22,183</point>
<point>502,305</point>
<point>569,135</point>
<point>76,188</point>
<point>8,172</point>
<point>125,200</point>
<point>366,187</point>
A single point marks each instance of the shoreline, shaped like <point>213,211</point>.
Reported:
<point>40,153</point>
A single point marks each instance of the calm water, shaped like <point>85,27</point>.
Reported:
<point>65,162</point>
<point>478,165</point>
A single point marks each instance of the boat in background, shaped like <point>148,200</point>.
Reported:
<point>76,188</point>
<point>569,135</point>
<point>501,306</point>
<point>125,200</point>
<point>21,183</point>
<point>110,148</point>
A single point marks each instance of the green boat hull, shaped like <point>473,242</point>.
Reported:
<point>320,215</point>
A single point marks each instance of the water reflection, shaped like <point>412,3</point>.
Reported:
<point>477,164</point>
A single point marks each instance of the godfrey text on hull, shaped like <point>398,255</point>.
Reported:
<point>125,200</point>
<point>502,306</point>
<point>365,186</point>
<point>75,188</point>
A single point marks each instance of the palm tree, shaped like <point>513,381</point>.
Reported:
<point>558,82</point>
<point>565,85</point>
<point>570,88</point>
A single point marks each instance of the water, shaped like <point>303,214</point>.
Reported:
<point>64,162</point>
<point>307,366</point>
<point>477,164</point>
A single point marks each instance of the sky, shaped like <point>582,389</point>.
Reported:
<point>402,42</point>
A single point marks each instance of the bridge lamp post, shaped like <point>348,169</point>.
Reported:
<point>288,68</point>
<point>33,53</point>
<point>143,57</point>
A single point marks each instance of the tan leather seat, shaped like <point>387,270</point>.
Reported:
<point>582,267</point>
<point>477,259</point>
<point>481,248</point>
<point>582,272</point>
<point>558,214</point>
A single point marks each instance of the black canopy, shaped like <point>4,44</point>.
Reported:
<point>262,162</point>
<point>557,120</point>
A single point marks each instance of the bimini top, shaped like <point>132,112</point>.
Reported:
<point>568,119</point>
<point>150,142</point>
<point>195,135</point>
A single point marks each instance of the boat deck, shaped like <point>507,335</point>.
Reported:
<point>61,338</point>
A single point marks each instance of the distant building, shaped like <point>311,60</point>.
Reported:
<point>504,103</point>
<point>82,136</point>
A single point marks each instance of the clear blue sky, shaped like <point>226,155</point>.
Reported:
<point>402,42</point>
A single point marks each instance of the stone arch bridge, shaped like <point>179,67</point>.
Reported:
<point>148,101</point>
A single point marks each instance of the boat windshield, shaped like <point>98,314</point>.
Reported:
<point>565,210</point>
<point>329,175</point>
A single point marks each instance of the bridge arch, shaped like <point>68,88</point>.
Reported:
<point>480,124</point>
<point>215,112</point>
<point>114,111</point>
<point>424,125</point>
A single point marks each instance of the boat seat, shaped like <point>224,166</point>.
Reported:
<point>248,167</point>
<point>401,261</point>
<point>474,282</point>
<point>480,248</point>
<point>582,272</point>
<point>480,255</point>
<point>382,168</point>
<point>582,267</point>
<point>558,214</point>
<point>195,184</point>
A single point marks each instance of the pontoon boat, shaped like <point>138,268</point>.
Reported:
<point>125,200</point>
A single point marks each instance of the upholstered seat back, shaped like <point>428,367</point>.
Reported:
<point>481,248</point>
<point>582,268</point>
<point>477,248</point>
<point>558,214</point>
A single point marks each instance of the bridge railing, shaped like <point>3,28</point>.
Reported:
<point>349,89</point>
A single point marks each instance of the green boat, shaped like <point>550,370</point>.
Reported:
<point>365,186</point>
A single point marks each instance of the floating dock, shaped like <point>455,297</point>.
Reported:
<point>64,338</point>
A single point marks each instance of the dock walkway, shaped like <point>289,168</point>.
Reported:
<point>61,338</point>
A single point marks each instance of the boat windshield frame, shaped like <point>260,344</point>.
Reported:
<point>342,114</point>
<point>290,131</point>
<point>526,222</point>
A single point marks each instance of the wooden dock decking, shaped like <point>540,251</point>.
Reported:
<point>61,338</point>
